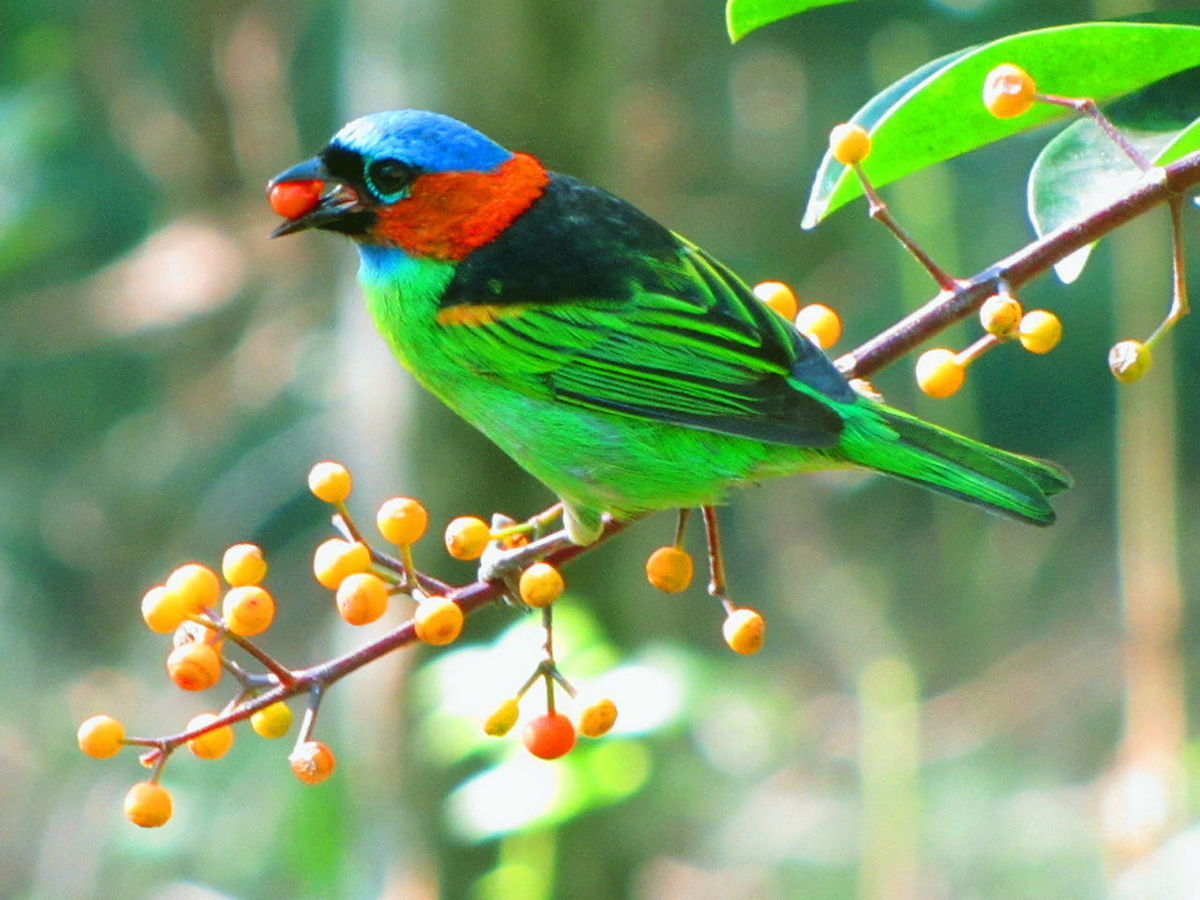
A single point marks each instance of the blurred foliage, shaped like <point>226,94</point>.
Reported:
<point>939,709</point>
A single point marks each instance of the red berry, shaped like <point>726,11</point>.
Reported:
<point>549,736</point>
<point>292,199</point>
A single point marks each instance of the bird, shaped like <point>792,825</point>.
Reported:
<point>614,360</point>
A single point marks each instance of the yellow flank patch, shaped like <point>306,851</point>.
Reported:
<point>483,314</point>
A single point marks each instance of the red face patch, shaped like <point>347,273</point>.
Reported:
<point>449,214</point>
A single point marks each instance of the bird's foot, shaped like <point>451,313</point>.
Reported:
<point>517,545</point>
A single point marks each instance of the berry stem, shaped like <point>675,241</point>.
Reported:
<point>1179,299</point>
<point>1087,106</point>
<point>716,563</point>
<point>681,524</point>
<point>969,354</point>
<point>279,672</point>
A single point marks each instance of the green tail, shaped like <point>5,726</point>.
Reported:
<point>1007,483</point>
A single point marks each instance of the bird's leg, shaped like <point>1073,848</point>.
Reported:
<point>716,563</point>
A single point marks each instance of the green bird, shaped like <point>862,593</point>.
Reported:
<point>615,361</point>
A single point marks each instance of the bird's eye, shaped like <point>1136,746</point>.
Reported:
<point>389,178</point>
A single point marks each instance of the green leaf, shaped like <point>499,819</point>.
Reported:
<point>1083,170</point>
<point>744,16</point>
<point>936,113</point>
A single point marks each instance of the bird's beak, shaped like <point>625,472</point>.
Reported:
<point>337,210</point>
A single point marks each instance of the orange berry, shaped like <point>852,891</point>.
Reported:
<point>163,610</point>
<point>849,143</point>
<point>1008,91</point>
<point>597,718</point>
<point>101,737</point>
<point>402,520</point>
<point>502,719</point>
<point>248,610</point>
<point>540,585</point>
<point>362,598</point>
<point>212,744</point>
<point>549,736</point>
<point>292,199</point>
<point>467,537</point>
<point>939,373</point>
<point>329,481</point>
<point>194,666</point>
<point>438,620</point>
<point>1039,331</point>
<point>779,296</point>
<point>148,805</point>
<point>743,631</point>
<point>1129,360</point>
<point>669,569</point>
<point>196,584</point>
<point>335,558</point>
<point>1000,314</point>
<point>312,762</point>
<point>243,564</point>
<point>819,324</point>
<point>272,721</point>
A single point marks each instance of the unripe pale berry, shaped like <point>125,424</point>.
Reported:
<point>101,736</point>
<point>502,719</point>
<point>779,296</point>
<point>362,598</point>
<point>248,610</point>
<point>540,585</point>
<point>329,481</point>
<point>272,721</point>
<point>148,805</point>
<point>467,537</point>
<point>335,558</point>
<point>549,736</point>
<point>1000,314</point>
<point>212,744</point>
<point>437,620</point>
<point>243,564</point>
<point>194,666</point>
<point>849,143</point>
<point>744,630</point>
<point>163,610</point>
<point>939,373</point>
<point>819,324</point>
<point>402,520</point>
<point>1129,360</point>
<point>1039,331</point>
<point>1008,91</point>
<point>597,718</point>
<point>196,584</point>
<point>669,569</point>
<point>292,199</point>
<point>312,762</point>
<point>191,632</point>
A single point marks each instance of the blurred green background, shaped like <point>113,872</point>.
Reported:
<point>948,705</point>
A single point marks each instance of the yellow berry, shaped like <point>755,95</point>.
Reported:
<point>437,620</point>
<point>939,373</point>
<point>467,537</point>
<point>1129,360</point>
<point>1039,331</point>
<point>743,631</point>
<point>272,721</point>
<point>849,143</point>
<point>212,744</point>
<point>502,719</point>
<point>148,805</point>
<point>779,296</point>
<point>597,718</point>
<point>312,762</point>
<point>329,481</point>
<point>163,610</point>
<point>248,610</point>
<point>335,558</point>
<point>540,585</point>
<point>243,564</point>
<point>196,584</point>
<point>1008,91</point>
<point>1000,314</point>
<point>819,324</point>
<point>362,598</point>
<point>101,737</point>
<point>669,569</point>
<point>194,666</point>
<point>402,520</point>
